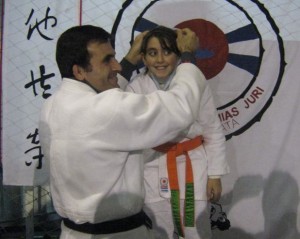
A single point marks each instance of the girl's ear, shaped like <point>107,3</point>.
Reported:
<point>78,72</point>
<point>143,58</point>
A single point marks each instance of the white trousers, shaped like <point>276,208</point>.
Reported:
<point>163,227</point>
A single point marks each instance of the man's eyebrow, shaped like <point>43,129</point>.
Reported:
<point>108,57</point>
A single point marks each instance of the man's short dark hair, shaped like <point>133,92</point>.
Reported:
<point>72,46</point>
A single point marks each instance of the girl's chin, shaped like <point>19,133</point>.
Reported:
<point>162,75</point>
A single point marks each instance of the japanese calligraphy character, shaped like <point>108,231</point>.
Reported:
<point>39,156</point>
<point>38,23</point>
<point>40,80</point>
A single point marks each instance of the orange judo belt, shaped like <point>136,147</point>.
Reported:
<point>174,150</point>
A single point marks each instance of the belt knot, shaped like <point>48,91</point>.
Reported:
<point>180,148</point>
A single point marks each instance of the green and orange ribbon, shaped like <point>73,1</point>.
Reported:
<point>174,150</point>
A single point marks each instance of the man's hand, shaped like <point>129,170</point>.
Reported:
<point>214,189</point>
<point>134,55</point>
<point>187,40</point>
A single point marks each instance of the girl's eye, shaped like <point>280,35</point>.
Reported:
<point>151,53</point>
<point>167,52</point>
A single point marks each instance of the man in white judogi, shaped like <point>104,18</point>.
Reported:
<point>92,134</point>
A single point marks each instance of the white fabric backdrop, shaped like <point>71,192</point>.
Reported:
<point>256,90</point>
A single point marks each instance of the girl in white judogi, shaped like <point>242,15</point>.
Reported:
<point>161,57</point>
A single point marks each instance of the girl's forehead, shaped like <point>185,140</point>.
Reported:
<point>157,41</point>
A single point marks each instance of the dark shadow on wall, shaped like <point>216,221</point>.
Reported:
<point>279,206</point>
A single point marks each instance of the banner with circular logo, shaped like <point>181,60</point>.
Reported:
<point>241,51</point>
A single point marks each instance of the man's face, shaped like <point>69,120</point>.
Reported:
<point>159,61</point>
<point>103,69</point>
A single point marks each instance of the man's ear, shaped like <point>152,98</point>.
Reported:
<point>78,72</point>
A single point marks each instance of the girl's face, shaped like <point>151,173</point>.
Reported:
<point>159,61</point>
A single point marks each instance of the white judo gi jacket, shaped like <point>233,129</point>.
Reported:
<point>93,142</point>
<point>209,159</point>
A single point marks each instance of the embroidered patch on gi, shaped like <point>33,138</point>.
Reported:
<point>164,187</point>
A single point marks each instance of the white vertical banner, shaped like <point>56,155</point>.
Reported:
<point>29,76</point>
